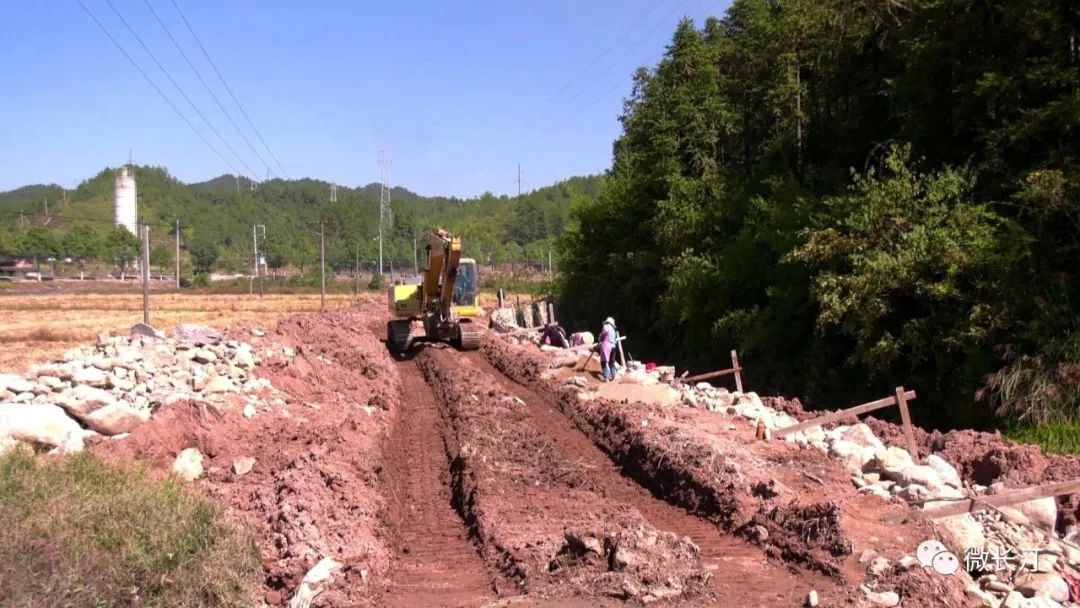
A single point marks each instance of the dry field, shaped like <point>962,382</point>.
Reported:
<point>37,327</point>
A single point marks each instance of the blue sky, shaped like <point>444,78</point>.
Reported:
<point>457,93</point>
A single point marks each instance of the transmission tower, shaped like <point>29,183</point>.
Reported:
<point>384,201</point>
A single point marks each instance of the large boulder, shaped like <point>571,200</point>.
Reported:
<point>42,423</point>
<point>115,418</point>
<point>82,399</point>
<point>15,383</point>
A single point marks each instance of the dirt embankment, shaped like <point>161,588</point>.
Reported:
<point>539,515</point>
<point>314,487</point>
<point>980,458</point>
<point>798,505</point>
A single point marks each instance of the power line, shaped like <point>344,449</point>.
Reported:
<point>607,50</point>
<point>206,86</point>
<point>180,89</point>
<point>229,89</point>
<point>157,88</point>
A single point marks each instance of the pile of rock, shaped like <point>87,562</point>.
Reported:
<point>891,473</point>
<point>113,386</point>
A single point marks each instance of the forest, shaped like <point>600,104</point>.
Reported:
<point>855,195</point>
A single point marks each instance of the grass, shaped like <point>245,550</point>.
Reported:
<point>79,532</point>
<point>1054,438</point>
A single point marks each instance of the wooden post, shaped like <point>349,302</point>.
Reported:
<point>1001,499</point>
<point>905,418</point>
<point>842,414</point>
<point>738,373</point>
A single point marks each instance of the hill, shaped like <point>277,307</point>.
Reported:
<point>215,215</point>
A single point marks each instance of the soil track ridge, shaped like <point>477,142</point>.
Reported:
<point>740,572</point>
<point>434,563</point>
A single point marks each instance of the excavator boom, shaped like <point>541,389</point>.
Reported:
<point>445,300</point>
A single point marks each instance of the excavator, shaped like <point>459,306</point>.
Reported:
<point>444,303</point>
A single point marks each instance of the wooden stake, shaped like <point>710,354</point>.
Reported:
<point>738,374</point>
<point>905,418</point>
<point>840,415</point>
<point>1001,499</point>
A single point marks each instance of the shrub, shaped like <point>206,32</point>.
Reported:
<point>78,532</point>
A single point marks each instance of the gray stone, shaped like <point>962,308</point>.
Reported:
<point>15,383</point>
<point>204,355</point>
<point>142,329</point>
<point>90,376</point>
<point>920,474</point>
<point>191,333</point>
<point>188,464</point>
<point>115,418</point>
<point>83,399</point>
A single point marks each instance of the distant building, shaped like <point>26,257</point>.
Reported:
<point>125,203</point>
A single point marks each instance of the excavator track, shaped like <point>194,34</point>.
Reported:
<point>470,336</point>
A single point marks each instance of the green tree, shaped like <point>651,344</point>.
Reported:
<point>204,253</point>
<point>82,243</point>
<point>122,248</point>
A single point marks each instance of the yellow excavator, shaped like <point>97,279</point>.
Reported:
<point>444,302</point>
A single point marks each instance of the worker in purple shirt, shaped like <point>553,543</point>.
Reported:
<point>607,349</point>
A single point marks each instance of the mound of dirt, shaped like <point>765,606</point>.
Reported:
<point>314,489</point>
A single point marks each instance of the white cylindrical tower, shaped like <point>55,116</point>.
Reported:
<point>125,205</point>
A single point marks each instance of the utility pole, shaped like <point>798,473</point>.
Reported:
<point>145,258</point>
<point>177,259</point>
<point>322,263</point>
<point>384,202</point>
<point>255,228</point>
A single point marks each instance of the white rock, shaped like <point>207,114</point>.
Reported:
<point>945,471</point>
<point>243,357</point>
<point>961,532</point>
<point>881,598</point>
<point>219,384</point>
<point>1049,585</point>
<point>15,383</point>
<point>860,434</point>
<point>891,461</point>
<point>44,424</point>
<point>90,376</point>
<point>243,465</point>
<point>188,464</point>
<point>115,418</point>
<point>921,475</point>
<point>1041,512</point>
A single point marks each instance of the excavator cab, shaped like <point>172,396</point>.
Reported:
<point>444,303</point>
